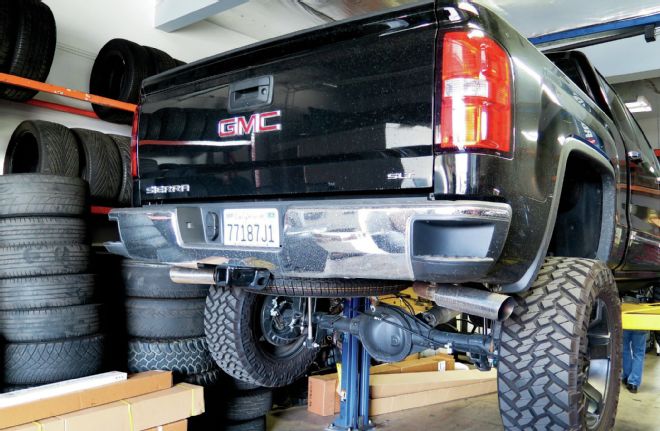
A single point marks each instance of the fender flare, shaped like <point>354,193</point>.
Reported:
<point>570,146</point>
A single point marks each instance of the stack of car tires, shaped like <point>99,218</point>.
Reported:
<point>165,323</point>
<point>27,44</point>
<point>118,71</point>
<point>165,327</point>
<point>103,161</point>
<point>49,322</point>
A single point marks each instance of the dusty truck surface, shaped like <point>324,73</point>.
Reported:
<point>430,145</point>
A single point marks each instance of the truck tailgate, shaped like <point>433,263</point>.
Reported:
<point>340,109</point>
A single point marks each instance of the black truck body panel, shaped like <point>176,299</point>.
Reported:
<point>354,98</point>
<point>357,103</point>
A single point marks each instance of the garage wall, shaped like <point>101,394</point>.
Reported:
<point>651,126</point>
<point>83,27</point>
<point>648,121</point>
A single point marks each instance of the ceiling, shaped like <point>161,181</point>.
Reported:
<point>619,61</point>
<point>263,19</point>
<point>649,88</point>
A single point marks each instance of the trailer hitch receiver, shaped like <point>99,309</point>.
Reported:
<point>223,276</point>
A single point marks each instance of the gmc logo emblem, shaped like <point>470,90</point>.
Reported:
<point>256,123</point>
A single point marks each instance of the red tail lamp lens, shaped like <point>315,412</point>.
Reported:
<point>475,94</point>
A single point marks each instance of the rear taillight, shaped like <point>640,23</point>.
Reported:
<point>474,94</point>
<point>134,144</point>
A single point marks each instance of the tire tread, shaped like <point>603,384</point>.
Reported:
<point>539,369</point>
<point>41,363</point>
<point>183,357</point>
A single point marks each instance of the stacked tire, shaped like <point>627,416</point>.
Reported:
<point>118,71</point>
<point>165,323</point>
<point>27,44</point>
<point>103,161</point>
<point>165,327</point>
<point>239,406</point>
<point>49,322</point>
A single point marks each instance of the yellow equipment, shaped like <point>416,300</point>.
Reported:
<point>641,317</point>
<point>408,300</point>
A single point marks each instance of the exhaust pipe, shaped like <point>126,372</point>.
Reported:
<point>438,315</point>
<point>490,305</point>
<point>250,278</point>
<point>192,275</point>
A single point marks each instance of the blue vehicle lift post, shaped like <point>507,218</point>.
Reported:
<point>355,363</point>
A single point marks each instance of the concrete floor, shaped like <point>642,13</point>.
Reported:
<point>636,412</point>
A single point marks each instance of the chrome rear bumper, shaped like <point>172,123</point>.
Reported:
<point>396,239</point>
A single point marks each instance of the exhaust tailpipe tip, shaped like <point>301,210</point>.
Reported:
<point>490,305</point>
<point>506,309</point>
<point>182,275</point>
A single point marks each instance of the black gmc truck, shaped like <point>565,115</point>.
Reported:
<point>432,146</point>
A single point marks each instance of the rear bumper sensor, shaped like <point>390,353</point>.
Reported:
<point>395,239</point>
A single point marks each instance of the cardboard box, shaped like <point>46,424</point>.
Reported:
<point>109,417</point>
<point>389,385</point>
<point>419,365</point>
<point>448,359</point>
<point>52,424</point>
<point>60,388</point>
<point>138,384</point>
<point>145,412</point>
<point>415,365</point>
<point>171,405</point>
<point>397,403</point>
<point>176,426</point>
<point>384,369</point>
<point>322,396</point>
<point>412,357</point>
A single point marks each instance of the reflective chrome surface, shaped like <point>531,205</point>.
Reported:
<point>328,239</point>
<point>192,275</point>
<point>465,299</point>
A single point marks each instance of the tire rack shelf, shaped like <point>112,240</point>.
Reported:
<point>18,81</point>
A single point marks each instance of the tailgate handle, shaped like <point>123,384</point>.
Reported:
<point>250,93</point>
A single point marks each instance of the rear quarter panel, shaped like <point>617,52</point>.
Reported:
<point>549,119</point>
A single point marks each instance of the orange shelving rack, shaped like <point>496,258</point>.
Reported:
<point>72,94</point>
<point>64,92</point>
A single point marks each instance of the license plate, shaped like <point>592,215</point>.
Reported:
<point>251,227</point>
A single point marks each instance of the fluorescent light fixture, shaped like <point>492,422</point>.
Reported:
<point>640,105</point>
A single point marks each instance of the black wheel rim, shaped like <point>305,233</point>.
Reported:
<point>598,367</point>
<point>279,339</point>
